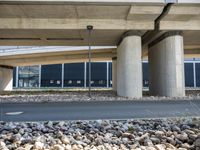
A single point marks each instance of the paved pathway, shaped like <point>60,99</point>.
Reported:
<point>98,110</point>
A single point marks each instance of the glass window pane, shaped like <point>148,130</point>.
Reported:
<point>189,75</point>
<point>98,75</point>
<point>29,76</point>
<point>74,75</point>
<point>51,75</point>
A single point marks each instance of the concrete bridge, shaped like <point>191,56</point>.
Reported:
<point>43,55</point>
<point>162,30</point>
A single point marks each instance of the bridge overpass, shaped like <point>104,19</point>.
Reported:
<point>159,29</point>
<point>27,56</point>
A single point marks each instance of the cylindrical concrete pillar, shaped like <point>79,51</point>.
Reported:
<point>166,66</point>
<point>6,79</point>
<point>114,74</point>
<point>129,67</point>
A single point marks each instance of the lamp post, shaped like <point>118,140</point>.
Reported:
<point>89,29</point>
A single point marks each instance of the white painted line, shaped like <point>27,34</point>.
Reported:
<point>14,113</point>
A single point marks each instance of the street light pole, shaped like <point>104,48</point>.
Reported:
<point>89,28</point>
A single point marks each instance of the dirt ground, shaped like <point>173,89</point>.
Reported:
<point>82,95</point>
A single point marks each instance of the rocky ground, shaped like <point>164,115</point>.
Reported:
<point>165,134</point>
<point>67,96</point>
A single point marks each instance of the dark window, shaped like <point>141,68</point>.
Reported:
<point>51,75</point>
<point>98,75</point>
<point>145,74</point>
<point>189,75</point>
<point>14,77</point>
<point>197,74</point>
<point>74,75</point>
<point>110,75</point>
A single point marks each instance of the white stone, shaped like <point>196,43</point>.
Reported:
<point>39,145</point>
<point>65,140</point>
<point>160,147</point>
<point>58,147</point>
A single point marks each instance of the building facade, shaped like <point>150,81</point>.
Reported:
<point>76,75</point>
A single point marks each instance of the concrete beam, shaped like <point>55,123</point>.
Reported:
<point>74,24</point>
<point>189,1</point>
<point>180,25</point>
<point>182,17</point>
<point>56,59</point>
<point>17,54</point>
<point>144,13</point>
<point>85,1</point>
<point>183,13</point>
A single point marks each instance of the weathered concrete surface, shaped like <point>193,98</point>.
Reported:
<point>166,65</point>
<point>65,23</point>
<point>54,57</point>
<point>182,17</point>
<point>43,22</point>
<point>129,67</point>
<point>6,79</point>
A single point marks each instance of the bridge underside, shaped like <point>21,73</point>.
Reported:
<point>56,57</point>
<point>64,23</point>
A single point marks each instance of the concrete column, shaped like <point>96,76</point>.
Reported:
<point>114,73</point>
<point>129,67</point>
<point>166,66</point>
<point>6,79</point>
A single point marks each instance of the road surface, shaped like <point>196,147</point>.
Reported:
<point>98,110</point>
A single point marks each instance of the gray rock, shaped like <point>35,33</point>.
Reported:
<point>197,142</point>
<point>16,137</point>
<point>148,142</point>
<point>65,139</point>
<point>127,134</point>
<point>98,141</point>
<point>182,137</point>
<point>175,128</point>
<point>159,133</point>
<point>155,140</point>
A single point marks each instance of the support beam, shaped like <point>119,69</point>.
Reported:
<point>166,62</point>
<point>114,73</point>
<point>6,79</point>
<point>64,58</point>
<point>73,24</point>
<point>129,67</point>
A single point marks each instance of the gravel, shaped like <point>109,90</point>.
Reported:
<point>157,134</point>
<point>66,96</point>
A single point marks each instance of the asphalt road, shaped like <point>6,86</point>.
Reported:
<point>98,110</point>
